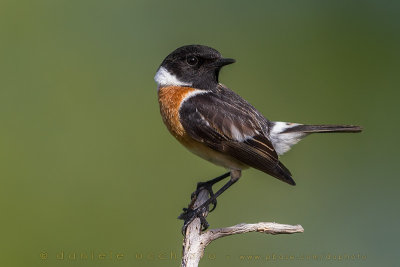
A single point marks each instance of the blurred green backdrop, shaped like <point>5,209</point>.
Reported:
<point>87,166</point>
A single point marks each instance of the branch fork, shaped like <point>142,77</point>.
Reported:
<point>195,241</point>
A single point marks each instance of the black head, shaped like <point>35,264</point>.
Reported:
<point>192,65</point>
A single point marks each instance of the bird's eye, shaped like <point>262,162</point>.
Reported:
<point>192,60</point>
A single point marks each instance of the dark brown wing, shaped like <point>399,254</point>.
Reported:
<point>228,124</point>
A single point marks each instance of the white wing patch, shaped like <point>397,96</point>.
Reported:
<point>236,134</point>
<point>282,142</point>
<point>164,78</point>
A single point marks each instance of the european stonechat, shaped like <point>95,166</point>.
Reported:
<point>218,125</point>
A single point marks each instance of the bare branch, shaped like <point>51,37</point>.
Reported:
<point>195,242</point>
<point>261,227</point>
<point>193,247</point>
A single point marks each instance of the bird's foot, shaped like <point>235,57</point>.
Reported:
<point>205,186</point>
<point>189,214</point>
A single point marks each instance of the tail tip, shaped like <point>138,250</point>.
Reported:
<point>358,129</point>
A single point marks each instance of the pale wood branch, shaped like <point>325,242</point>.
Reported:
<point>195,242</point>
<point>261,227</point>
<point>193,247</point>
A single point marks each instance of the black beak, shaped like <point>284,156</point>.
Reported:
<point>224,61</point>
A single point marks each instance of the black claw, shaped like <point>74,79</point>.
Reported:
<point>214,203</point>
<point>208,187</point>
<point>189,215</point>
<point>204,223</point>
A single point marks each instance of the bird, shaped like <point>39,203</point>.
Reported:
<point>218,125</point>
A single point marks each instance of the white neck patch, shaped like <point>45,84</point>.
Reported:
<point>164,78</point>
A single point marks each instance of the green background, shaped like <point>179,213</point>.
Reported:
<point>87,165</point>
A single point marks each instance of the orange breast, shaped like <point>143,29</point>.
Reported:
<point>170,99</point>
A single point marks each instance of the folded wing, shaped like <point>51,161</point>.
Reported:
<point>232,127</point>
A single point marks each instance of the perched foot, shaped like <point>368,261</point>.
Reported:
<point>190,214</point>
<point>205,186</point>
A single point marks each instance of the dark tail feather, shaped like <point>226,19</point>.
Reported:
<point>324,129</point>
<point>283,174</point>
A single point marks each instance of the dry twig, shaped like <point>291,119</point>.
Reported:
<point>195,242</point>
